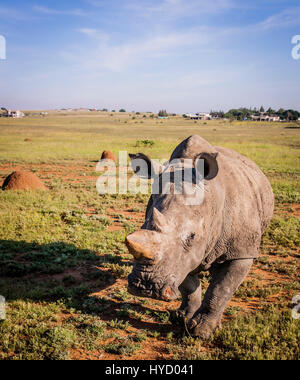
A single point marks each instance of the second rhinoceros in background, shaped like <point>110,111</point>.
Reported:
<point>221,233</point>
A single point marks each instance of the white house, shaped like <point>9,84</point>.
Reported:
<point>14,114</point>
<point>192,116</point>
<point>264,117</point>
<point>199,116</point>
<point>204,116</point>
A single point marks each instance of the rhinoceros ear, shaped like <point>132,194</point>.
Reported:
<point>144,167</point>
<point>208,163</point>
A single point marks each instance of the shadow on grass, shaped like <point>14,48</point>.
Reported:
<point>61,272</point>
<point>50,272</point>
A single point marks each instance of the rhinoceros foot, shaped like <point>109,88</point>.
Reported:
<point>178,317</point>
<point>202,327</point>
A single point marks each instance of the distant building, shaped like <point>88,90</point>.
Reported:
<point>274,118</point>
<point>199,116</point>
<point>264,117</point>
<point>12,113</point>
<point>191,116</point>
<point>204,116</point>
<point>81,110</point>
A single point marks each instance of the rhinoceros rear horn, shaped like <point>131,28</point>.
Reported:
<point>211,167</point>
<point>159,219</point>
<point>137,248</point>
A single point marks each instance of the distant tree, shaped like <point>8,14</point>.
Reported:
<point>290,115</point>
<point>113,110</point>
<point>238,114</point>
<point>245,113</point>
<point>162,113</point>
<point>122,110</point>
<point>105,110</point>
<point>217,114</point>
<point>270,111</point>
<point>262,109</point>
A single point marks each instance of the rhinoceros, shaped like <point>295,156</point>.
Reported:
<point>220,234</point>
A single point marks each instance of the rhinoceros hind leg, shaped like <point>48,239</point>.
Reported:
<point>226,278</point>
<point>190,290</point>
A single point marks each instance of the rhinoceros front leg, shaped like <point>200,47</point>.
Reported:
<point>226,278</point>
<point>191,292</point>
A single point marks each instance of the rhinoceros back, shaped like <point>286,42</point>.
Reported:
<point>248,205</point>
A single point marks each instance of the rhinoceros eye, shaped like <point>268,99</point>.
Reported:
<point>188,242</point>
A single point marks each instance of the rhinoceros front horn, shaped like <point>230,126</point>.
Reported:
<point>138,250</point>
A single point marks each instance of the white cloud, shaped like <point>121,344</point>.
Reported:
<point>121,56</point>
<point>174,9</point>
<point>94,33</point>
<point>51,11</point>
<point>11,13</point>
<point>286,18</point>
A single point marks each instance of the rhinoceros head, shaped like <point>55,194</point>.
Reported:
<point>166,249</point>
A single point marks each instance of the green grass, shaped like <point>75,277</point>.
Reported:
<point>122,347</point>
<point>39,339</point>
<point>283,232</point>
<point>266,335</point>
<point>63,270</point>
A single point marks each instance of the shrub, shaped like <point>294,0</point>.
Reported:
<point>144,143</point>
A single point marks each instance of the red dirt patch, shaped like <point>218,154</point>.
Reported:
<point>290,209</point>
<point>23,180</point>
<point>296,208</point>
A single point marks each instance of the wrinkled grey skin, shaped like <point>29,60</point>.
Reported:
<point>222,235</point>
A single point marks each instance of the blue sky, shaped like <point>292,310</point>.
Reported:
<point>182,55</point>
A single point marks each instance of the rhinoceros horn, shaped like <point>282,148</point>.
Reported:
<point>159,220</point>
<point>137,249</point>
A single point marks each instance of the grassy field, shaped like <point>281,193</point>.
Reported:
<point>63,262</point>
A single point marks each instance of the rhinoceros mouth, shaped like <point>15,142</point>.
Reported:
<point>142,286</point>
